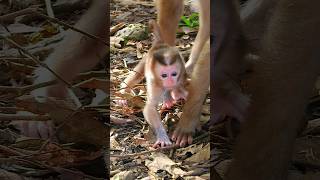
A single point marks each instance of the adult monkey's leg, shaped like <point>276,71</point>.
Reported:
<point>169,14</point>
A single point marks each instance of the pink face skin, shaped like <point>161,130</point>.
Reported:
<point>169,75</point>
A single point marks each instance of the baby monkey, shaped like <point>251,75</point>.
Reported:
<point>164,69</point>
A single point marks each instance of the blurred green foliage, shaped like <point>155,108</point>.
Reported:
<point>191,21</point>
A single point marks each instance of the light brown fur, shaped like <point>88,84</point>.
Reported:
<point>169,13</point>
<point>160,55</point>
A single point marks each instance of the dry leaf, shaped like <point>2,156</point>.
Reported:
<point>204,118</point>
<point>200,156</point>
<point>127,175</point>
<point>95,83</point>
<point>78,126</point>
<point>100,98</point>
<point>119,121</point>
<point>222,167</point>
<point>189,149</point>
<point>9,175</point>
<point>19,28</point>
<point>163,162</point>
<point>116,41</point>
<point>139,54</point>
<point>185,37</point>
<point>136,101</point>
<point>141,141</point>
<point>114,143</point>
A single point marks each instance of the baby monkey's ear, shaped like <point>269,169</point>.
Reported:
<point>154,27</point>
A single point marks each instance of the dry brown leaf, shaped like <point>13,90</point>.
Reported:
<point>185,37</point>
<point>26,143</point>
<point>202,155</point>
<point>9,175</point>
<point>77,126</point>
<point>141,141</point>
<point>204,118</point>
<point>116,41</point>
<point>95,83</point>
<point>58,155</point>
<point>127,175</point>
<point>49,30</point>
<point>114,144</point>
<point>189,149</point>
<point>139,54</point>
<point>197,174</point>
<point>19,28</point>
<point>136,101</point>
<point>163,162</point>
<point>222,167</point>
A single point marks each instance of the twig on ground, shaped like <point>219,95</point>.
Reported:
<point>35,59</point>
<point>16,117</point>
<point>11,16</point>
<point>72,27</point>
<point>145,152</point>
<point>49,8</point>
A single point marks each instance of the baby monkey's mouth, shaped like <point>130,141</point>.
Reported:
<point>170,87</point>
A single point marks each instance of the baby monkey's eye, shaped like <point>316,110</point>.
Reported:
<point>174,74</point>
<point>164,75</point>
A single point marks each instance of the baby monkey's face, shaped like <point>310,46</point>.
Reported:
<point>169,67</point>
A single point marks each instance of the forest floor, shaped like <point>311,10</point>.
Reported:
<point>27,36</point>
<point>130,137</point>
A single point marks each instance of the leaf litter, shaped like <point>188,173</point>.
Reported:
<point>131,154</point>
<point>27,39</point>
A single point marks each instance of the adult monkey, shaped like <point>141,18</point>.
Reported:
<point>228,50</point>
<point>280,88</point>
<point>227,94</point>
<point>255,15</point>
